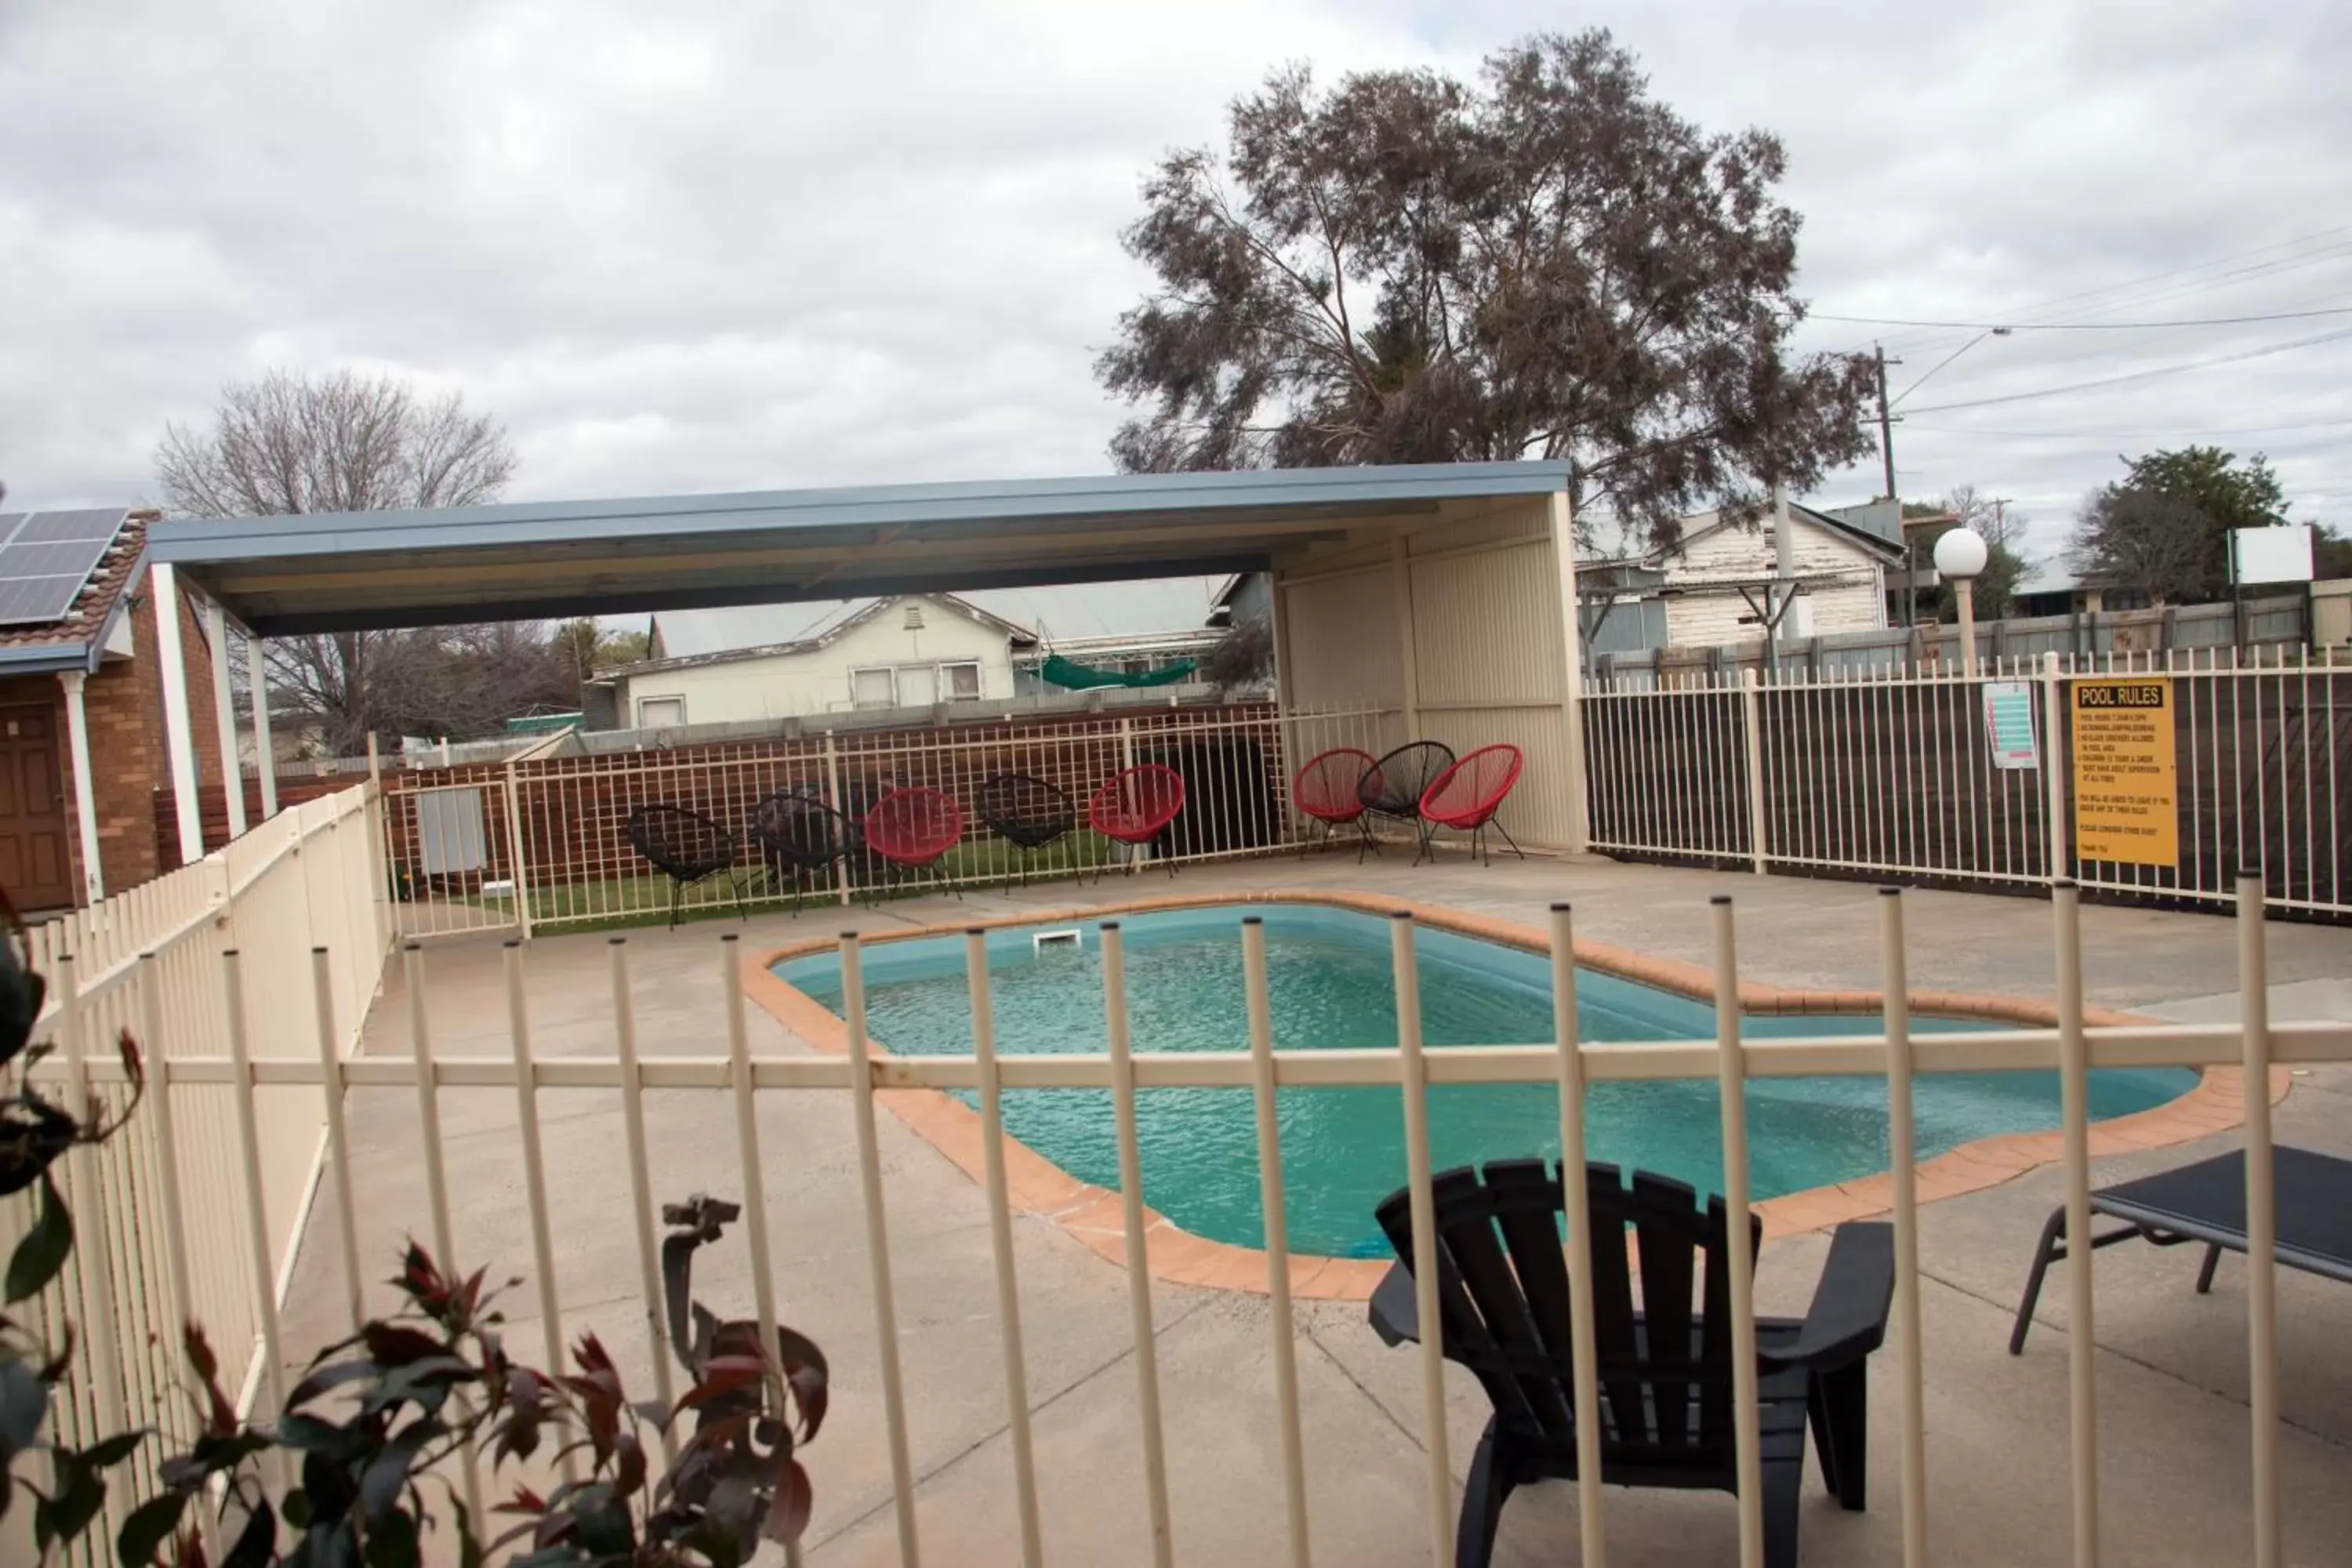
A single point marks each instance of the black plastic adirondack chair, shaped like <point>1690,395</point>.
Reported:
<point>1666,1370</point>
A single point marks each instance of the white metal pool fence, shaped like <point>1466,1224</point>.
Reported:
<point>543,844</point>
<point>179,1210</point>
<point>1942,776</point>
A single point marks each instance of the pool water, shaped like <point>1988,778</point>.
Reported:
<point>1343,1149</point>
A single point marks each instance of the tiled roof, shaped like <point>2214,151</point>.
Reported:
<point>107,583</point>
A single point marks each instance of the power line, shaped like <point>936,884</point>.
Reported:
<point>2085,326</point>
<point>2191,429</point>
<point>2051,308</point>
<point>2139,374</point>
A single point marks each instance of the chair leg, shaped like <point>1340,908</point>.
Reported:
<point>1837,1406</point>
<point>1783,1482</point>
<point>2205,1269</point>
<point>1482,1504</point>
<point>673,903</point>
<point>1509,840</point>
<point>2044,1252</point>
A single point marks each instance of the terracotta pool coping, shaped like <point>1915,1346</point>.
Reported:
<point>1095,1216</point>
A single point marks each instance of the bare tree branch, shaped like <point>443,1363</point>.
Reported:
<point>291,445</point>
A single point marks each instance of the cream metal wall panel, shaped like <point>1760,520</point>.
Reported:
<point>1486,627</point>
<point>1518,519</point>
<point>1489,660</point>
<point>1343,641</point>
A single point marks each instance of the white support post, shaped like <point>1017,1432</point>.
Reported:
<point>1751,718</point>
<point>1407,660</point>
<point>2053,777</point>
<point>93,875</point>
<point>264,747</point>
<point>178,739</point>
<point>1571,677</point>
<point>225,717</point>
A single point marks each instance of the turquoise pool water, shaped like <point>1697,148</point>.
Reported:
<point>1343,1149</point>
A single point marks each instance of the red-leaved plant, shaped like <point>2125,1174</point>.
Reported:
<point>371,1437</point>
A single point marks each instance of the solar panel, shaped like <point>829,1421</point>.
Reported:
<point>33,599</point>
<point>53,527</point>
<point>47,557</point>
<point>8,522</point>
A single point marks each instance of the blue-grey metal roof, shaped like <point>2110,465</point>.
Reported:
<point>341,570</point>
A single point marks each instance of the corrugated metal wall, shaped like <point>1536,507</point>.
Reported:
<point>1488,664</point>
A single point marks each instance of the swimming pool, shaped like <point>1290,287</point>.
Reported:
<point>1343,1149</point>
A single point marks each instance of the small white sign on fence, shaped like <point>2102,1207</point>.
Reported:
<point>2009,724</point>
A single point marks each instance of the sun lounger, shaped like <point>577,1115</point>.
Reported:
<point>2206,1202</point>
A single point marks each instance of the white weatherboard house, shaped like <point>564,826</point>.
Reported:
<point>909,650</point>
<point>1715,578</point>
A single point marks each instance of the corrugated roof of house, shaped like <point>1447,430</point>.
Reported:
<point>1062,611</point>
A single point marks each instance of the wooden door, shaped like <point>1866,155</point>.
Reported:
<point>34,866</point>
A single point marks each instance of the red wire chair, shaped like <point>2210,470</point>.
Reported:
<point>1467,796</point>
<point>1327,790</point>
<point>912,829</point>
<point>1134,806</point>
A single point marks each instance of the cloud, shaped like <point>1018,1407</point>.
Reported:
<point>694,249</point>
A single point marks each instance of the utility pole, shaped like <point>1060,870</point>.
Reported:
<point>1885,423</point>
<point>1887,456</point>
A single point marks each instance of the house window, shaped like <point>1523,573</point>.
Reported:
<point>960,682</point>
<point>919,685</point>
<point>873,689</point>
<point>661,712</point>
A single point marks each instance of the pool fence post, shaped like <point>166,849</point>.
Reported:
<point>1731,1082</point>
<point>1412,1072</point>
<point>515,853</point>
<point>2053,778</point>
<point>2261,1220</point>
<point>877,1243</point>
<point>832,798</point>
<point>1126,765</point>
<point>1584,1353</point>
<point>1752,717</point>
<point>1902,1143</point>
<point>2082,1344</point>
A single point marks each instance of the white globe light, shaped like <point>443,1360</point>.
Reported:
<point>1961,554</point>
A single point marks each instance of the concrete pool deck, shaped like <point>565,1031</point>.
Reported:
<point>2171,1368</point>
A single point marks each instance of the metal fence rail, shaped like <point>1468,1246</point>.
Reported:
<point>202,1050</point>
<point>1884,773</point>
<point>543,844</point>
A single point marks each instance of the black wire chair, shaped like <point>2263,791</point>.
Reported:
<point>686,847</point>
<point>1393,787</point>
<point>1026,812</point>
<point>799,837</point>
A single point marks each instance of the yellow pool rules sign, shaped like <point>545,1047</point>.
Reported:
<point>2126,801</point>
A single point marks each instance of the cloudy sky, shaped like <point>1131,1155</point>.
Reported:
<point>679,250</point>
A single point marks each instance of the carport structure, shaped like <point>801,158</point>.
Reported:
<point>1431,591</point>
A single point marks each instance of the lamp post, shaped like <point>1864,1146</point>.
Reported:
<point>1961,554</point>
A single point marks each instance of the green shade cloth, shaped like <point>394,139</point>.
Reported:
<point>1079,677</point>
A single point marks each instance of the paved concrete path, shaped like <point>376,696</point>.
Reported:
<point>2172,1368</point>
